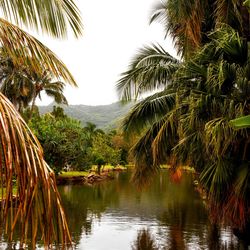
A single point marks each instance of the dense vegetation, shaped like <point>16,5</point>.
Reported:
<point>187,120</point>
<point>69,145</point>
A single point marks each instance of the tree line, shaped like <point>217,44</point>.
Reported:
<point>69,145</point>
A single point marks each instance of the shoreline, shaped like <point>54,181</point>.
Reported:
<point>87,178</point>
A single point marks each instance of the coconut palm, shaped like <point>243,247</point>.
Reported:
<point>44,83</point>
<point>22,85</point>
<point>189,22</point>
<point>38,205</point>
<point>15,84</point>
<point>188,122</point>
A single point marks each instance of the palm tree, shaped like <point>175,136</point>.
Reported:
<point>51,88</point>
<point>39,203</point>
<point>15,84</point>
<point>189,22</point>
<point>22,85</point>
<point>188,120</point>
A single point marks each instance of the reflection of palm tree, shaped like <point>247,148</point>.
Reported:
<point>144,241</point>
<point>175,218</point>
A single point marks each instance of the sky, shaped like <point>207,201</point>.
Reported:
<point>113,31</point>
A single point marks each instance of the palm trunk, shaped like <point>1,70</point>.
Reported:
<point>33,105</point>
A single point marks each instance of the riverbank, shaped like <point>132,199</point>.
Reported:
<point>88,177</point>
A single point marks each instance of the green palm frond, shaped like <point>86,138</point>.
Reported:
<point>148,111</point>
<point>150,69</point>
<point>58,96</point>
<point>24,49</point>
<point>165,140</point>
<point>217,177</point>
<point>142,152</point>
<point>55,17</point>
<point>38,200</point>
<point>241,122</point>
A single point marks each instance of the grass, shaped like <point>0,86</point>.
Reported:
<point>74,173</point>
<point>105,168</point>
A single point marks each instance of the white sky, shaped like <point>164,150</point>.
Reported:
<point>113,31</point>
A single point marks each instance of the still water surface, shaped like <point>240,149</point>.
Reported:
<point>113,215</point>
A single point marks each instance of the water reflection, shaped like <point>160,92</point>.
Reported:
<point>144,241</point>
<point>114,215</point>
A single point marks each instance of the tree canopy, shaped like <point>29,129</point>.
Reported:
<point>186,121</point>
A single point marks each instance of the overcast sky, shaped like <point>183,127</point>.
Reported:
<point>113,31</point>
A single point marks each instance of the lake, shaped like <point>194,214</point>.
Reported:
<point>114,215</point>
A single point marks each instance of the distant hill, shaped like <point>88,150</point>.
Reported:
<point>104,116</point>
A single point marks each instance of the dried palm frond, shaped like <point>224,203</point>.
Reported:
<point>38,206</point>
<point>25,50</point>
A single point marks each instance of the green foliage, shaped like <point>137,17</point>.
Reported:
<point>67,144</point>
<point>103,152</point>
<point>63,139</point>
<point>188,122</point>
<point>242,122</point>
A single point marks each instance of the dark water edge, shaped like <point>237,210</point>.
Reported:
<point>114,215</point>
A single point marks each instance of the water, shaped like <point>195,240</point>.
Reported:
<point>113,215</point>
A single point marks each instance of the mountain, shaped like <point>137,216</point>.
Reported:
<point>104,116</point>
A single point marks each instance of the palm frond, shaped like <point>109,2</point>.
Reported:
<point>241,122</point>
<point>38,200</point>
<point>148,111</point>
<point>229,12</point>
<point>150,69</point>
<point>184,21</point>
<point>58,96</point>
<point>54,17</point>
<point>144,168</point>
<point>24,49</point>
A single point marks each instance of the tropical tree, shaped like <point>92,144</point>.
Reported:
<point>63,139</point>
<point>188,120</point>
<point>189,22</point>
<point>14,82</point>
<point>103,152</point>
<point>22,85</point>
<point>39,203</point>
<point>44,83</point>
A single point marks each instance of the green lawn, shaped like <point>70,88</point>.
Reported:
<point>74,173</point>
<point>94,168</point>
